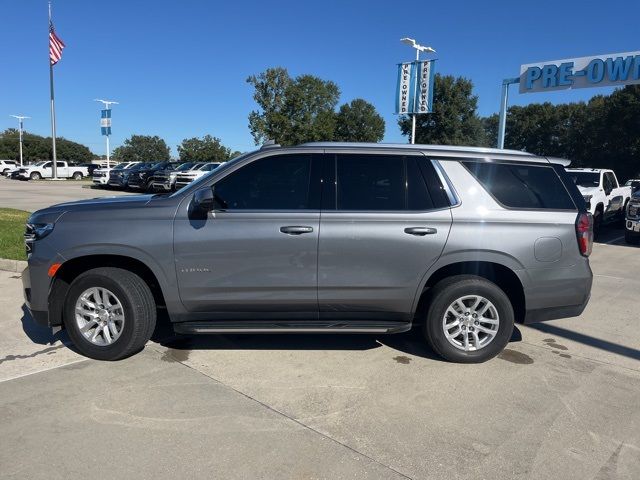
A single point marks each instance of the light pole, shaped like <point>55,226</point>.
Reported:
<point>419,48</point>
<point>20,119</point>
<point>105,123</point>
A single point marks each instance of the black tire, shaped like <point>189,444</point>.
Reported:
<point>443,294</point>
<point>35,176</point>
<point>139,312</point>
<point>4,172</point>
<point>630,238</point>
<point>77,176</point>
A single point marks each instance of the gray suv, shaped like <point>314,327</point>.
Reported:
<point>322,237</point>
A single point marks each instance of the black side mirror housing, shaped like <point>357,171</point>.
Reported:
<point>203,200</point>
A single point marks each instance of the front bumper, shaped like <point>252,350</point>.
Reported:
<point>632,226</point>
<point>161,185</point>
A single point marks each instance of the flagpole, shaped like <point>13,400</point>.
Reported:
<point>53,112</point>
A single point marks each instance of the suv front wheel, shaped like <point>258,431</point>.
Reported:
<point>110,313</point>
<point>469,319</point>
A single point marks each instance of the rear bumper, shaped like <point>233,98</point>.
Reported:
<point>554,293</point>
<point>554,313</point>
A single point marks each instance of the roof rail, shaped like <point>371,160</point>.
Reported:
<point>269,144</point>
<point>450,148</point>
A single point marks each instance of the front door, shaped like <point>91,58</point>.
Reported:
<point>389,224</point>
<point>255,255</point>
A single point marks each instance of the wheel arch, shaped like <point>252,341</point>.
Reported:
<point>502,275</point>
<point>72,268</point>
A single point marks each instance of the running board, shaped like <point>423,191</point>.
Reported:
<point>312,326</point>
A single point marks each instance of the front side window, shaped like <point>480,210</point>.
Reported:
<point>279,182</point>
<point>522,186</point>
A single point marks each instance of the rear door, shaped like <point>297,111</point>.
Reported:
<point>62,171</point>
<point>385,223</point>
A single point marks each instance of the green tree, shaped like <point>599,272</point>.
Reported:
<point>36,147</point>
<point>601,133</point>
<point>142,148</point>
<point>205,149</point>
<point>292,111</point>
<point>358,121</point>
<point>454,120</point>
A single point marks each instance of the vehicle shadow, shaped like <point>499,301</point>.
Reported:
<point>39,334</point>
<point>587,340</point>
<point>411,343</point>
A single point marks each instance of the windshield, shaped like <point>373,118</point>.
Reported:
<point>158,165</point>
<point>120,166</point>
<point>585,179</point>
<point>193,186</point>
<point>184,166</point>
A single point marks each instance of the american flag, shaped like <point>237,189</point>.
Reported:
<point>55,46</point>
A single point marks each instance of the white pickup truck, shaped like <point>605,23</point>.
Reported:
<point>606,199</point>
<point>44,169</point>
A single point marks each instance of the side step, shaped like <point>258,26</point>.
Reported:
<point>299,326</point>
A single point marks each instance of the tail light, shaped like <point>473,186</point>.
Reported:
<point>584,233</point>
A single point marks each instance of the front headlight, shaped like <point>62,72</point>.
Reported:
<point>34,232</point>
<point>633,209</point>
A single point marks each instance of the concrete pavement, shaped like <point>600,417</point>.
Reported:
<point>32,196</point>
<point>560,402</point>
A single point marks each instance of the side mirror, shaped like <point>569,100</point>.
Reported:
<point>203,200</point>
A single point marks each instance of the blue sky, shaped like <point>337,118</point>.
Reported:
<point>179,67</point>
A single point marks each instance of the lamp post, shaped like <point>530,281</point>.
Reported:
<point>419,48</point>
<point>105,123</point>
<point>20,119</point>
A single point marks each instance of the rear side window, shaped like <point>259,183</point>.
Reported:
<point>370,182</point>
<point>377,183</point>
<point>522,186</point>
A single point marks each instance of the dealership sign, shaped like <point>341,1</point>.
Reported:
<point>414,90</point>
<point>105,121</point>
<point>601,71</point>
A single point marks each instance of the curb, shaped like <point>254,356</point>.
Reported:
<point>16,266</point>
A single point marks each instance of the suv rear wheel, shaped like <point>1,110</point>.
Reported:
<point>110,313</point>
<point>469,319</point>
<point>77,176</point>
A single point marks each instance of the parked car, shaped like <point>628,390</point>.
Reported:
<point>185,178</point>
<point>141,180</point>
<point>101,175</point>
<point>7,165</point>
<point>120,178</point>
<point>165,180</point>
<point>44,169</point>
<point>632,220</point>
<point>634,183</point>
<point>605,198</point>
<point>322,238</point>
<point>92,167</point>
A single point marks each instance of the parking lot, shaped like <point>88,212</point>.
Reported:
<point>561,402</point>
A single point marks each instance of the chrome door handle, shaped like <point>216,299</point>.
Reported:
<point>420,231</point>
<point>296,229</point>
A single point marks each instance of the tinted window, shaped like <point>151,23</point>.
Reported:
<point>418,197</point>
<point>610,181</point>
<point>522,186</point>
<point>273,183</point>
<point>585,179</point>
<point>370,182</point>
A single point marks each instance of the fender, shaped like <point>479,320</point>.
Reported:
<point>465,256</point>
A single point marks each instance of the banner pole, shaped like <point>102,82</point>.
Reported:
<point>413,120</point>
